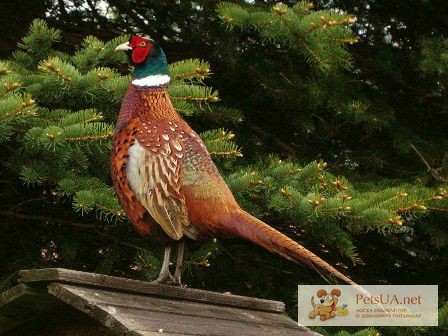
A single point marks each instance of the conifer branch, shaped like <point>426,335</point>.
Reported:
<point>119,213</point>
<point>196,99</point>
<point>234,153</point>
<point>91,137</point>
<point>437,209</point>
<point>434,172</point>
<point>47,219</point>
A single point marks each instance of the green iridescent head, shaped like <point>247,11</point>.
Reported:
<point>146,56</point>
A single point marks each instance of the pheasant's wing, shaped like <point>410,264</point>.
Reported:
<point>154,173</point>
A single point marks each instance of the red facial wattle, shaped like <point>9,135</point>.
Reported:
<point>140,49</point>
<point>139,54</point>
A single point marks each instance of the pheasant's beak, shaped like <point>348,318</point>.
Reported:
<point>124,46</point>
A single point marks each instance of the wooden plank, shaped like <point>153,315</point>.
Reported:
<point>14,293</point>
<point>88,308</point>
<point>21,304</point>
<point>197,325</point>
<point>151,333</point>
<point>119,300</point>
<point>7,319</point>
<point>130,320</point>
<point>136,286</point>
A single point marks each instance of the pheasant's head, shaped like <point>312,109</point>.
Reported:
<point>146,56</point>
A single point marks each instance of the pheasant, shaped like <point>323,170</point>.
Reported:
<point>165,179</point>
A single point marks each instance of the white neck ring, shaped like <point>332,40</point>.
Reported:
<point>154,80</point>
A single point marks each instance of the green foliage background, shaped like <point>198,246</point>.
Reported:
<point>328,120</point>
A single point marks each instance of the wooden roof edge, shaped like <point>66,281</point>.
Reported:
<point>13,293</point>
<point>144,287</point>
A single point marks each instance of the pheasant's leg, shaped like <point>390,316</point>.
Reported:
<point>179,263</point>
<point>165,276</point>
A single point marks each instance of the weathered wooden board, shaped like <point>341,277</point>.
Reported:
<point>170,306</point>
<point>14,293</point>
<point>20,304</point>
<point>137,308</point>
<point>136,286</point>
<point>139,314</point>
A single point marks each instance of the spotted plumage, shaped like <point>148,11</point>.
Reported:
<point>165,178</point>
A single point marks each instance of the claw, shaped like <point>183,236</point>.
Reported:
<point>165,278</point>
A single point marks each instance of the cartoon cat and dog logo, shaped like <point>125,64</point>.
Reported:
<point>326,308</point>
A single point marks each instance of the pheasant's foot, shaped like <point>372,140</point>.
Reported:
<point>177,280</point>
<point>179,263</point>
<point>165,278</point>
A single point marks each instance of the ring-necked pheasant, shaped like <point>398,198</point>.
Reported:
<point>164,176</point>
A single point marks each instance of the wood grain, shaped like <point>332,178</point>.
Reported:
<point>136,286</point>
<point>145,315</point>
<point>104,304</point>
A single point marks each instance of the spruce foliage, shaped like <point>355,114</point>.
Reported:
<point>40,105</point>
<point>57,113</point>
<point>73,139</point>
<point>319,36</point>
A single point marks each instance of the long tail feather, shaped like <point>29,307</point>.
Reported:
<point>244,225</point>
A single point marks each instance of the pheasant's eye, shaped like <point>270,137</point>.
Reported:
<point>142,44</point>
